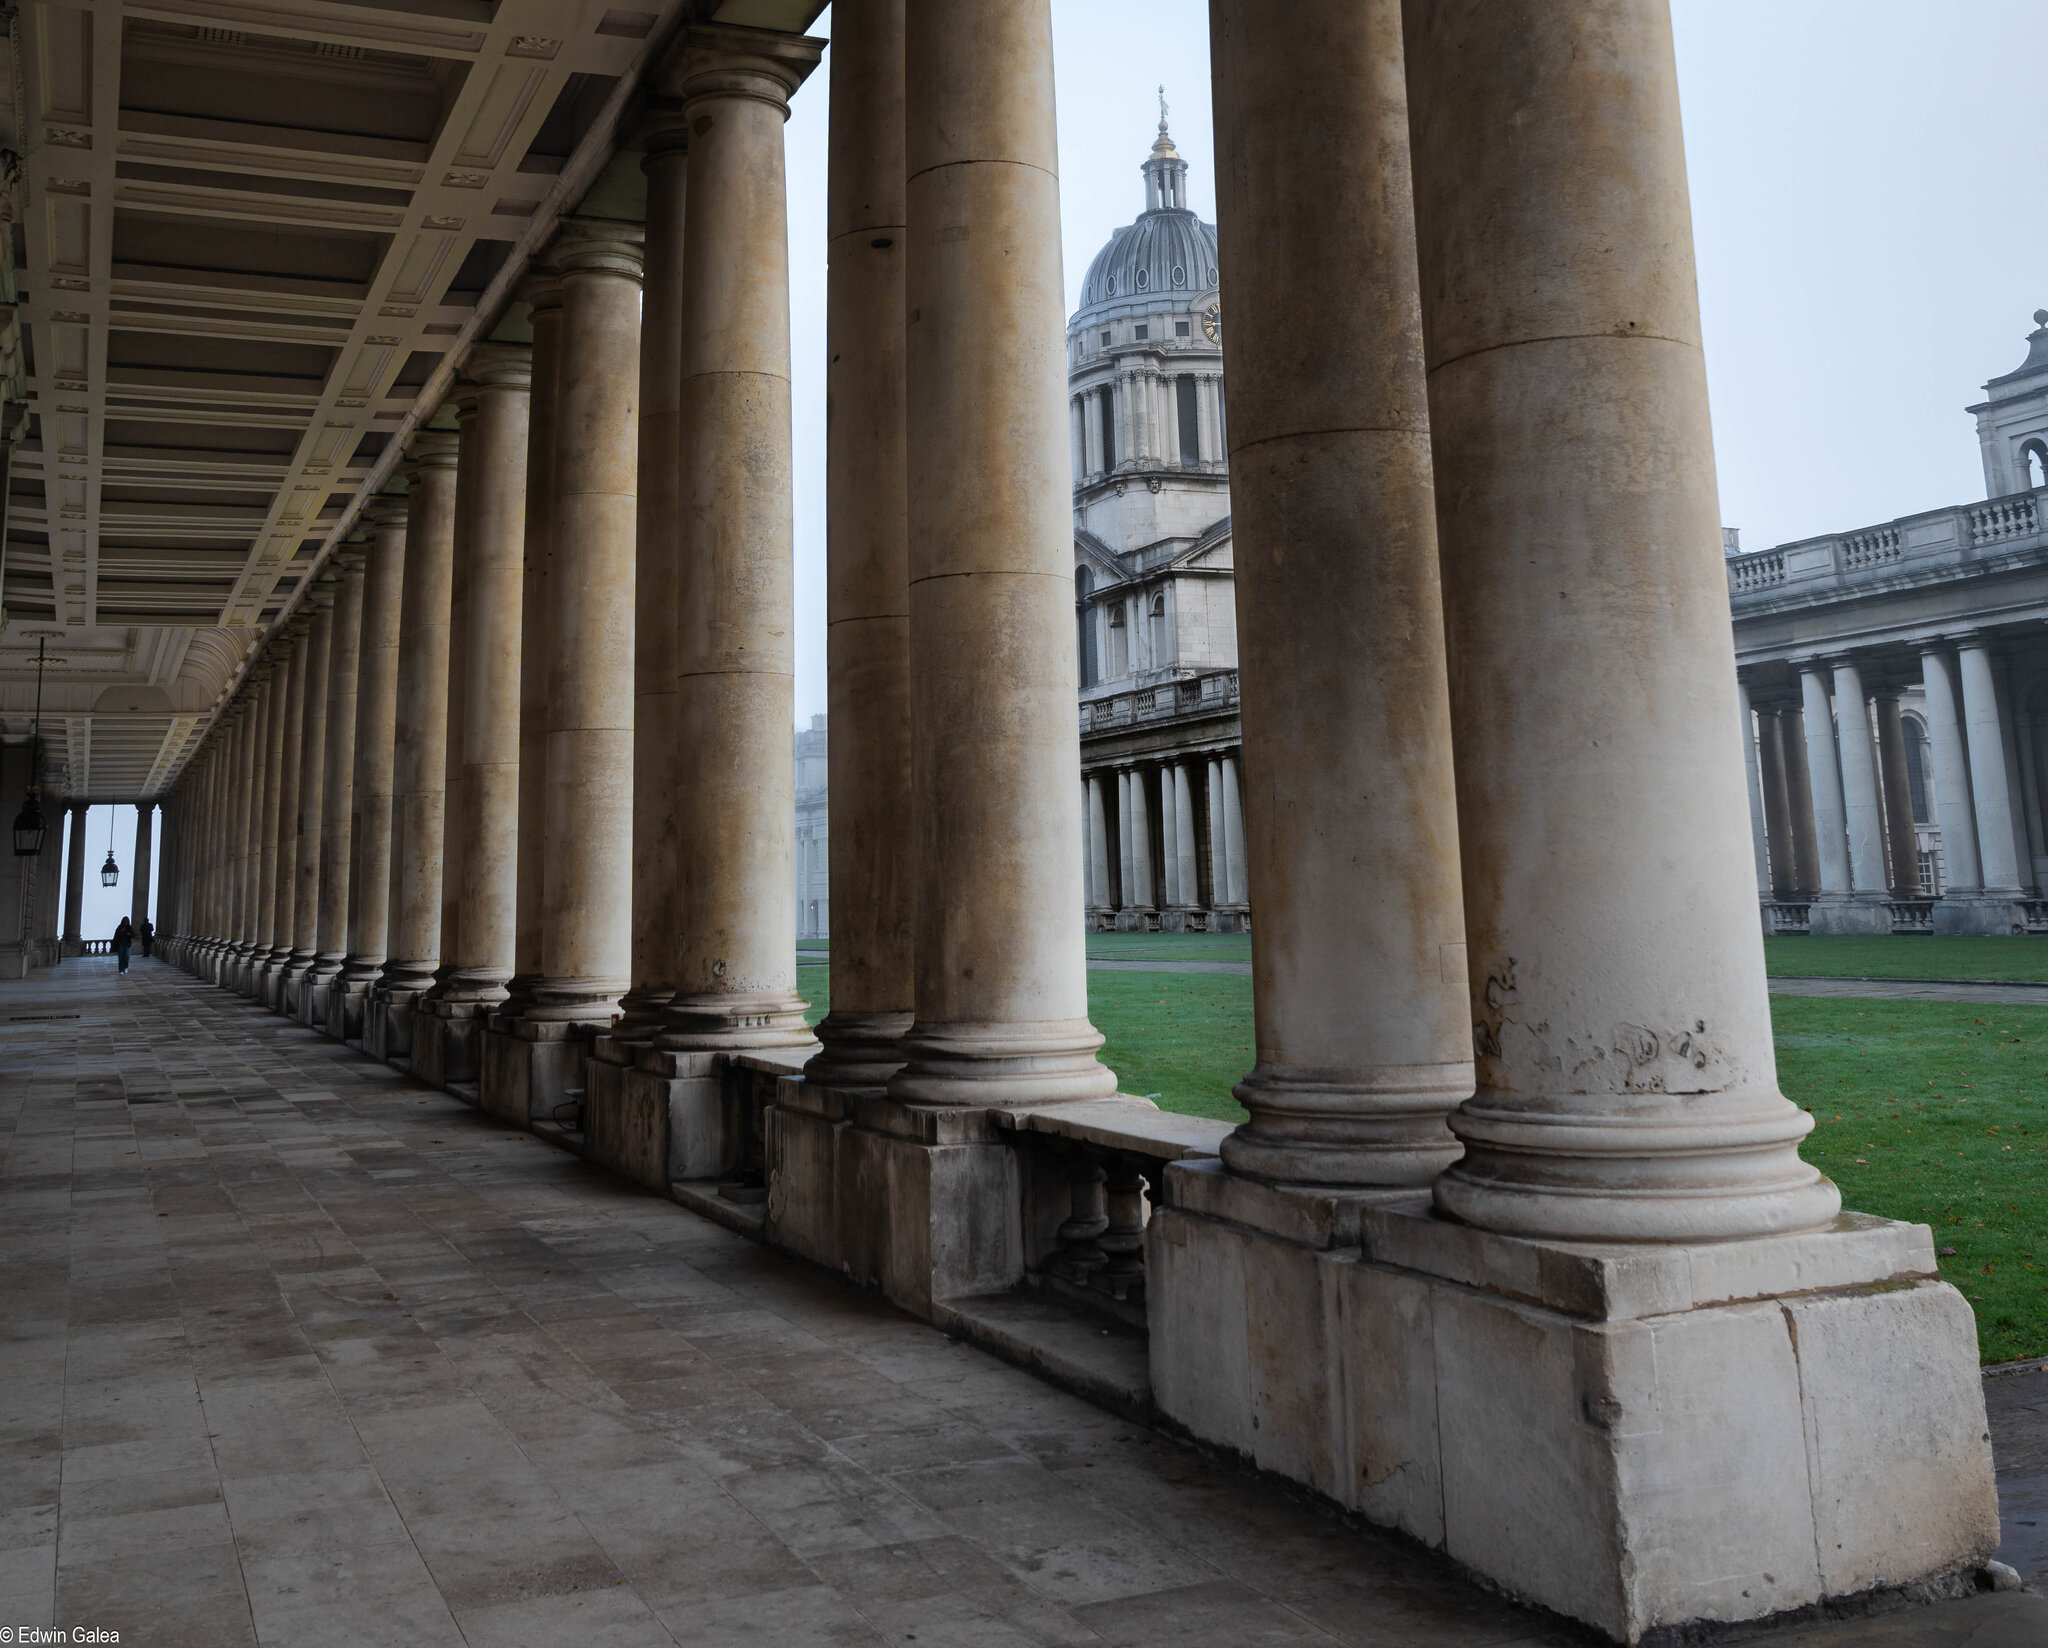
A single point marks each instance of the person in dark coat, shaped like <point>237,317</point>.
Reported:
<point>145,935</point>
<point>124,936</point>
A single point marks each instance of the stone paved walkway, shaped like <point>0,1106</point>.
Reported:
<point>296,1351</point>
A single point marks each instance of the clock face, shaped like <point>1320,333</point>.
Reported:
<point>1212,323</point>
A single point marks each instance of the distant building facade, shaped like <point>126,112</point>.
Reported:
<point>1154,596</point>
<point>1895,687</point>
<point>813,878</point>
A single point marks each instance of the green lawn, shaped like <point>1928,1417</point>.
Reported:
<point>1927,1111</point>
<point>1921,957</point>
<point>1170,946</point>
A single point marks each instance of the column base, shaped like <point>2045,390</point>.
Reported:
<point>291,988</point>
<point>446,1038</point>
<point>388,1018</point>
<point>1348,1128</point>
<point>641,1012</point>
<point>1002,1064</point>
<point>529,1067</point>
<point>764,1022</point>
<point>1134,918</point>
<point>859,1048</point>
<point>657,1117</point>
<point>347,1000</point>
<point>317,991</point>
<point>1637,1437</point>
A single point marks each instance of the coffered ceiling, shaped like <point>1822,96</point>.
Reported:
<point>251,239</point>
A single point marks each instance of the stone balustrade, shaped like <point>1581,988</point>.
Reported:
<point>1927,547</point>
<point>1207,694</point>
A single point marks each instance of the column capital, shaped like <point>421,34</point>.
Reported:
<point>430,449</point>
<point>601,246</point>
<point>387,509</point>
<point>463,397</point>
<point>541,290</point>
<point>501,366</point>
<point>664,132</point>
<point>724,60</point>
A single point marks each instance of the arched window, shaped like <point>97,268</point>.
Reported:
<point>1917,768</point>
<point>1119,643</point>
<point>2033,465</point>
<point>1162,644</point>
<point>1084,582</point>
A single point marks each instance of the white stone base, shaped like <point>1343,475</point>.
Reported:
<point>1636,1437</point>
<point>1833,918</point>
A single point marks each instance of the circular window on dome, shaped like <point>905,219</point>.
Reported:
<point>1110,286</point>
<point>1142,273</point>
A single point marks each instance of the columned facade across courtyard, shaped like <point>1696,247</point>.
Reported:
<point>1516,1252</point>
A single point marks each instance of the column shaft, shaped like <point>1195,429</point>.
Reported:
<point>138,907</point>
<point>1233,833</point>
<point>1001,977</point>
<point>1988,780</point>
<point>1626,1079</point>
<point>305,886</point>
<point>587,895</point>
<point>1169,838</point>
<point>454,802</point>
<point>338,782</point>
<point>1746,723</point>
<point>1824,772</point>
<point>544,294</point>
<point>1145,894</point>
<point>1954,807</point>
<point>657,799</point>
<point>419,770</point>
<point>1901,842</point>
<point>867,567</point>
<point>1358,957</point>
<point>1799,800</point>
<point>1127,883</point>
<point>494,660</point>
<point>369,893</point>
<point>1777,807</point>
<point>74,883</point>
<point>1098,843</point>
<point>733,962</point>
<point>1863,806</point>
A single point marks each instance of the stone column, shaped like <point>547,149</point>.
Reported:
<point>544,293</point>
<point>1098,843</point>
<point>337,782</point>
<point>1954,807</point>
<point>586,948</point>
<point>246,804</point>
<point>1824,773</point>
<point>1169,838</point>
<point>1777,808</point>
<point>492,659</point>
<point>1988,781</point>
<point>138,907</point>
<point>1358,973</point>
<point>454,805</point>
<point>1799,801</point>
<point>1900,837</point>
<point>420,723</point>
<point>1184,835</point>
<point>1233,833</point>
<point>305,890</point>
<point>1127,884</point>
<point>1626,1080</point>
<point>1002,983</point>
<point>1759,840</point>
<point>1144,894</point>
<point>867,568</point>
<point>74,885</point>
<point>1863,806</point>
<point>269,795</point>
<point>734,964</point>
<point>1219,872</point>
<point>283,881</point>
<point>657,916</point>
<point>369,891</point>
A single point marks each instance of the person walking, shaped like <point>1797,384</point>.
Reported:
<point>145,935</point>
<point>124,937</point>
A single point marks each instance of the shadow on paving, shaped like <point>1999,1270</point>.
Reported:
<point>298,1350</point>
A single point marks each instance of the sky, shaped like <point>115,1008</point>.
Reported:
<point>105,906</point>
<point>1867,210</point>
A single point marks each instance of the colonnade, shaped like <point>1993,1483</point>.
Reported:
<point>623,852</point>
<point>1831,792</point>
<point>1165,838</point>
<point>1139,417</point>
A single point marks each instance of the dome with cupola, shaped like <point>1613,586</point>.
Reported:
<point>1166,258</point>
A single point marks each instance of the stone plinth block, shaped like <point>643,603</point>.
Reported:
<point>1639,1437</point>
<point>388,1023</point>
<point>1978,917</point>
<point>531,1068</point>
<point>446,1038</point>
<point>313,1003</point>
<point>920,1202</point>
<point>655,1117</point>
<point>346,1005</point>
<point>1835,917</point>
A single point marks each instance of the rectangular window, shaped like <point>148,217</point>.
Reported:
<point>1108,429</point>
<point>1180,328</point>
<point>1141,333</point>
<point>1105,340</point>
<point>1190,421</point>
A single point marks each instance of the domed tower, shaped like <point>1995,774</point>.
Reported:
<point>1151,487</point>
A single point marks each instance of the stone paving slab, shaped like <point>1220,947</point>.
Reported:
<point>294,1350</point>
